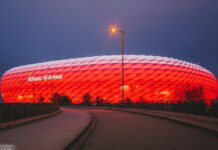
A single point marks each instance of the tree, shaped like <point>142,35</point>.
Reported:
<point>87,99</point>
<point>98,101</point>
<point>128,101</point>
<point>194,93</point>
<point>61,99</point>
<point>41,99</point>
<point>56,97</point>
<point>65,100</point>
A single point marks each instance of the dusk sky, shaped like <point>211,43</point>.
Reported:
<point>33,31</point>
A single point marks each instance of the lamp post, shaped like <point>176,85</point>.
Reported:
<point>51,84</point>
<point>33,87</point>
<point>114,30</point>
<point>1,99</point>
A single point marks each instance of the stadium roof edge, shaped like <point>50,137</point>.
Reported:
<point>171,61</point>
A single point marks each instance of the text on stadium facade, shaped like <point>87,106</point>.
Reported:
<point>45,78</point>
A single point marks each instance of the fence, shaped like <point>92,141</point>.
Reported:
<point>15,111</point>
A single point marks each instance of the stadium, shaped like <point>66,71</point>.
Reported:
<point>147,78</point>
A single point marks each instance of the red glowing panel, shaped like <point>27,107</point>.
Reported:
<point>150,78</point>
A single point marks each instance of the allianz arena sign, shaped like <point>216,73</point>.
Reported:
<point>44,78</point>
<point>150,78</point>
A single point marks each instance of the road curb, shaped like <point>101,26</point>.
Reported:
<point>14,123</point>
<point>80,140</point>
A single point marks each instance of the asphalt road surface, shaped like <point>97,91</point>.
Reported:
<point>117,130</point>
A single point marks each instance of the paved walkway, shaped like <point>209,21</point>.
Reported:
<point>204,122</point>
<point>117,130</point>
<point>52,133</point>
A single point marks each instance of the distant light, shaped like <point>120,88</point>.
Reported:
<point>125,87</point>
<point>166,93</point>
<point>30,96</point>
<point>19,97</point>
<point>113,29</point>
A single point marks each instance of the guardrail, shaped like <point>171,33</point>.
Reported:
<point>15,111</point>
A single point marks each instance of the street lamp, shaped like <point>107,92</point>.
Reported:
<point>33,87</point>
<point>51,83</point>
<point>114,30</point>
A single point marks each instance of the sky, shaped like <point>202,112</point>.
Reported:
<point>33,31</point>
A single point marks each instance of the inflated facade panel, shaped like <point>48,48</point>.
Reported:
<point>149,78</point>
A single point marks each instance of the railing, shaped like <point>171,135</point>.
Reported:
<point>15,111</point>
<point>191,107</point>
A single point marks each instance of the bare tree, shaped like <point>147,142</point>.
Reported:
<point>61,99</point>
<point>194,93</point>
<point>87,99</point>
<point>41,99</point>
<point>98,101</point>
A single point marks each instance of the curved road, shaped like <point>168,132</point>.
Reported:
<point>117,130</point>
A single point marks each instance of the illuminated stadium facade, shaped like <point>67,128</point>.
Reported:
<point>150,78</point>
